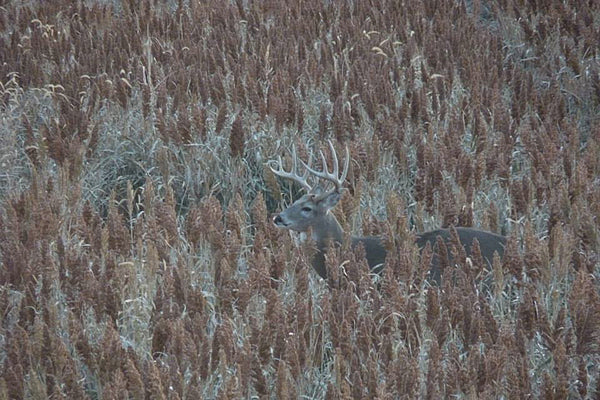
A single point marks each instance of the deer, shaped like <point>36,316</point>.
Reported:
<point>312,213</point>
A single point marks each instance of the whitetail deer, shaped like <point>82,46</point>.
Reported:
<point>312,213</point>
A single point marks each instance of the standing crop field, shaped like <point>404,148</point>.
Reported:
<point>138,258</point>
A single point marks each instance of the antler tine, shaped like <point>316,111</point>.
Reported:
<point>333,176</point>
<point>293,173</point>
<point>295,161</point>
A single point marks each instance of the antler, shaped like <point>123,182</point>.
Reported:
<point>333,176</point>
<point>293,173</point>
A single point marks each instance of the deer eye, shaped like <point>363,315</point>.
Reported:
<point>306,209</point>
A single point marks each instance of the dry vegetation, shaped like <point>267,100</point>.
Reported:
<point>137,257</point>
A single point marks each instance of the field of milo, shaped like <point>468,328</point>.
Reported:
<point>325,199</point>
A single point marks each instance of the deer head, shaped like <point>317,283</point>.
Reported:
<point>312,209</point>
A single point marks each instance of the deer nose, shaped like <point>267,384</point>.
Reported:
<point>277,220</point>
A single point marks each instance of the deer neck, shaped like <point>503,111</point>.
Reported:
<point>327,231</point>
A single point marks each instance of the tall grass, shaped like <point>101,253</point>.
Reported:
<point>137,256</point>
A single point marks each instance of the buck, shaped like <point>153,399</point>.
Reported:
<point>312,212</point>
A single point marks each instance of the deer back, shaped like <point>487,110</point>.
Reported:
<point>489,243</point>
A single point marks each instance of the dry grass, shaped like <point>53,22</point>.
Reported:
<point>137,255</point>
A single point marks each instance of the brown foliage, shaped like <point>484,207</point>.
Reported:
<point>459,114</point>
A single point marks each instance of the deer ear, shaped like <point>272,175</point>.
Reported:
<point>330,200</point>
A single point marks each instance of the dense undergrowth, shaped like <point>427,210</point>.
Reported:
<point>137,255</point>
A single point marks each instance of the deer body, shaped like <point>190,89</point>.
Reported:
<point>312,213</point>
<point>328,231</point>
